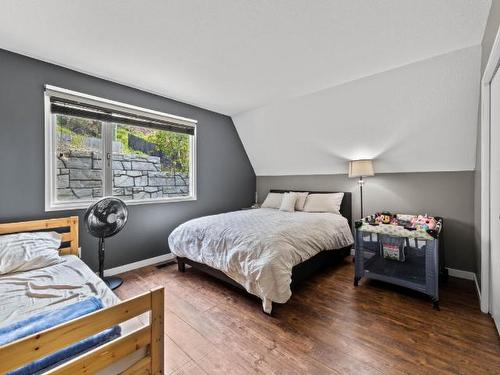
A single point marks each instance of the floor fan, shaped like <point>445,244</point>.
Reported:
<point>104,219</point>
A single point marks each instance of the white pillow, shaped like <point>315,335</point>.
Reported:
<point>324,202</point>
<point>288,202</point>
<point>28,251</point>
<point>273,200</point>
<point>301,200</point>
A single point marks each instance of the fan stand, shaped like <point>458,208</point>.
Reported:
<point>112,282</point>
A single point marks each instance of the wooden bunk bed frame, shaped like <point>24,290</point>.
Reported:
<point>30,348</point>
<point>300,272</point>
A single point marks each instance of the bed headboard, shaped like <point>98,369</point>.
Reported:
<point>66,226</point>
<point>345,206</point>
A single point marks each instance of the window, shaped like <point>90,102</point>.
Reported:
<point>96,148</point>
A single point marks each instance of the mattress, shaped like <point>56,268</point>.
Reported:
<point>258,248</point>
<point>28,293</point>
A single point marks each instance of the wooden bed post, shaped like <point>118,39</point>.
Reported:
<point>73,229</point>
<point>157,349</point>
<point>33,347</point>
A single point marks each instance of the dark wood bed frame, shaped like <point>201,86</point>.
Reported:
<point>300,272</point>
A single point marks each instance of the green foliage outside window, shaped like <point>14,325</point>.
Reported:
<point>81,126</point>
<point>173,147</point>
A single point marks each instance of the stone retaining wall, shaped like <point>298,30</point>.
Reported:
<point>79,175</point>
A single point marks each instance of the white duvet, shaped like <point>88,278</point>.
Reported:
<point>258,248</point>
<point>27,293</point>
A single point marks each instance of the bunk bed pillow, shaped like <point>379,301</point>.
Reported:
<point>28,251</point>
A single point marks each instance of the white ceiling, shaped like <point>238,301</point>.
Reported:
<point>231,56</point>
<point>421,117</point>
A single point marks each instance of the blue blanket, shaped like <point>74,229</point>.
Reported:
<point>50,319</point>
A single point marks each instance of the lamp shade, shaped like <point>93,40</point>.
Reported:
<point>361,168</point>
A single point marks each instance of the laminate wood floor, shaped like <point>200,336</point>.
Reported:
<point>328,327</point>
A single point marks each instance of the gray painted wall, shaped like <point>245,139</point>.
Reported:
<point>446,194</point>
<point>490,33</point>
<point>226,180</point>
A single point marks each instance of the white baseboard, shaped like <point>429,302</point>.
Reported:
<point>467,275</point>
<point>139,264</point>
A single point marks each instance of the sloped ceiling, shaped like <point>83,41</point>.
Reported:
<point>231,56</point>
<point>420,117</point>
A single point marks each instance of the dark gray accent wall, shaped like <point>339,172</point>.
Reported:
<point>490,33</point>
<point>446,194</point>
<point>226,180</point>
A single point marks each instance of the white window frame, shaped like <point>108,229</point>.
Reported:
<point>51,202</point>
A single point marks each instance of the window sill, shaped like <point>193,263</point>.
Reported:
<point>85,204</point>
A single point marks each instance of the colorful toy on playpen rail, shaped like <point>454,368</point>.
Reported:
<point>416,223</point>
<point>424,222</point>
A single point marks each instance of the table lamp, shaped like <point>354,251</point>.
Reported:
<point>361,168</point>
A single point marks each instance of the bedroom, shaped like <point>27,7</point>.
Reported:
<point>224,131</point>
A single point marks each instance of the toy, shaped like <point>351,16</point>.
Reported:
<point>409,222</point>
<point>423,222</point>
<point>393,251</point>
<point>383,218</point>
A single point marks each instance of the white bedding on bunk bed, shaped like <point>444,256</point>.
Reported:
<point>27,293</point>
<point>258,248</point>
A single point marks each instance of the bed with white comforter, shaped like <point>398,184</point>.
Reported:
<point>258,248</point>
<point>28,293</point>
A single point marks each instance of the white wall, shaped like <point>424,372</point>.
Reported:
<point>420,117</point>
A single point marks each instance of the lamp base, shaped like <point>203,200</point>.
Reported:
<point>113,282</point>
<point>361,183</point>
